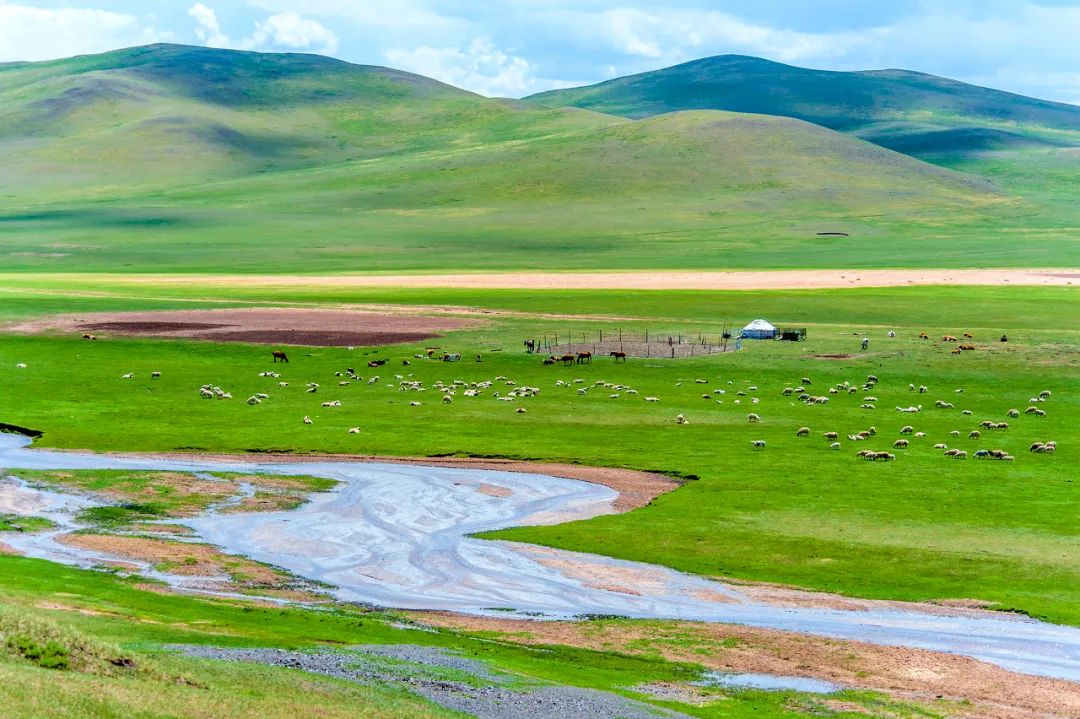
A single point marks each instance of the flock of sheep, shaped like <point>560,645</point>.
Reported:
<point>868,402</point>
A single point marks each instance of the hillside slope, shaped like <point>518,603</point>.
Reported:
<point>910,112</point>
<point>170,158</point>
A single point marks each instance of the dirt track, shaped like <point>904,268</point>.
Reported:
<point>291,326</point>
<point>665,280</point>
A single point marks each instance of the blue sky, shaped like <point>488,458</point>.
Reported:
<point>517,47</point>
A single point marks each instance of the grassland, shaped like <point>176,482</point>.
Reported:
<point>130,162</point>
<point>920,528</point>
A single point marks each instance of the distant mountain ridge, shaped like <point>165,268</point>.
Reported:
<point>171,157</point>
<point>908,111</point>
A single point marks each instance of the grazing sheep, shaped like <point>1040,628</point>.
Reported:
<point>949,338</point>
<point>869,399</point>
<point>923,389</point>
<point>854,438</point>
<point>986,424</point>
<point>831,435</point>
<point>907,429</point>
<point>1045,394</point>
<point>307,420</point>
<point>806,381</point>
<point>447,399</point>
<point>681,419</point>
<point>866,406</point>
<point>521,410</point>
<point>911,388</point>
<point>354,430</point>
<point>900,444</point>
<point>129,375</point>
<point>954,433</point>
<point>206,393</point>
<point>871,379</point>
<point>967,412</point>
<point>974,434</point>
<point>834,445</point>
<point>924,336</point>
<point>753,417</point>
<point>1013,413</point>
<point>332,403</point>
<point>1039,413</point>
<point>155,375</point>
<point>891,334</point>
<point>920,435</point>
<point>960,455</point>
<point>1037,447</point>
<point>871,430</point>
<point>652,399</point>
<point>788,391</point>
<point>955,351</point>
<point>757,443</point>
<point>941,446</point>
<point>414,404</point>
<point>802,432</point>
<point>942,404</point>
<point>949,452</point>
<point>253,400</point>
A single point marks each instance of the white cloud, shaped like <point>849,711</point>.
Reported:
<point>33,33</point>
<point>482,67</point>
<point>207,28</point>
<point>283,31</point>
<point>289,30</point>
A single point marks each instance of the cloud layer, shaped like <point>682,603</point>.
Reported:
<point>516,47</point>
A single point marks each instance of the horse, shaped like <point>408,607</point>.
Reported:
<point>551,360</point>
<point>279,355</point>
<point>568,359</point>
<point>89,337</point>
<point>530,346</point>
<point>618,356</point>
<point>584,357</point>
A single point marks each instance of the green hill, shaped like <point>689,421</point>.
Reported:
<point>910,112</point>
<point>172,158</point>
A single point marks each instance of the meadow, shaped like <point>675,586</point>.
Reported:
<point>922,528</point>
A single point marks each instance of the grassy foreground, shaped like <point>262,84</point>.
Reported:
<point>923,527</point>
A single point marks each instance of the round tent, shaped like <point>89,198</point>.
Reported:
<point>759,330</point>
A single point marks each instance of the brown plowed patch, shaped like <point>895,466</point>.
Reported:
<point>908,674</point>
<point>277,326</point>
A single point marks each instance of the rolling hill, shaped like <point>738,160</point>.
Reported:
<point>911,112</point>
<point>173,158</point>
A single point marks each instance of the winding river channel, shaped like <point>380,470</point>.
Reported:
<point>397,536</point>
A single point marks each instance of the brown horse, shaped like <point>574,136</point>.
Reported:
<point>568,359</point>
<point>584,357</point>
<point>618,356</point>
<point>279,355</point>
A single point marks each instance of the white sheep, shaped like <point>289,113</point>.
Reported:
<point>129,375</point>
<point>681,419</point>
<point>307,420</point>
<point>652,399</point>
<point>354,430</point>
<point>753,417</point>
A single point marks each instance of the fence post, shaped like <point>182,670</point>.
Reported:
<point>672,351</point>
<point>601,336</point>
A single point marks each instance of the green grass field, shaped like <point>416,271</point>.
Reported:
<point>923,527</point>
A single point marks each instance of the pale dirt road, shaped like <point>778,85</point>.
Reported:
<point>661,280</point>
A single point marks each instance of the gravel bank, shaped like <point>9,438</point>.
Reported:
<point>449,680</point>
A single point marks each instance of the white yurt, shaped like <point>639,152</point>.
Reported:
<point>759,329</point>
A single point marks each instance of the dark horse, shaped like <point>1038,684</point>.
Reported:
<point>584,357</point>
<point>279,355</point>
<point>619,356</point>
<point>568,359</point>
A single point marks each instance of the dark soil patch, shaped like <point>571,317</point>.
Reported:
<point>833,357</point>
<point>150,327</point>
